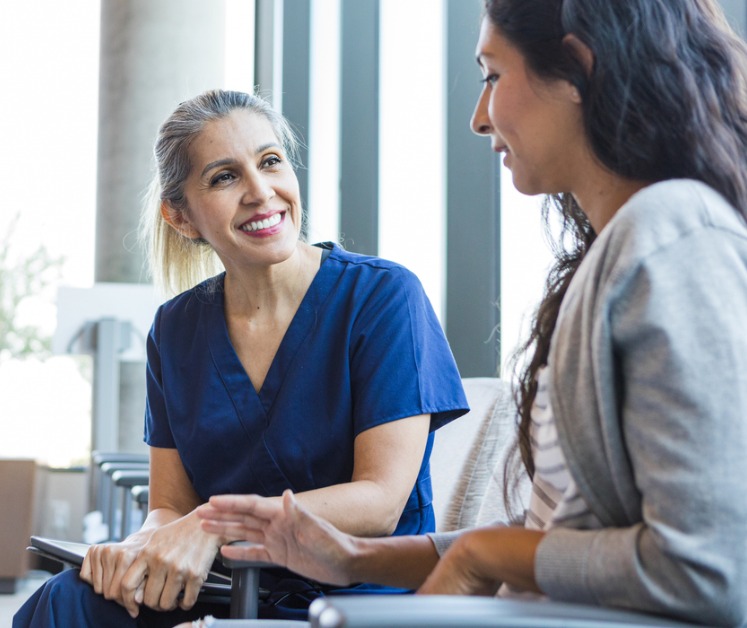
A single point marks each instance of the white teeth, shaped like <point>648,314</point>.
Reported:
<point>262,224</point>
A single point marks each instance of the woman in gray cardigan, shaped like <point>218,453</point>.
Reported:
<point>632,117</point>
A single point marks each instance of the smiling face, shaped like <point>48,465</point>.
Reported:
<point>536,123</point>
<point>242,194</point>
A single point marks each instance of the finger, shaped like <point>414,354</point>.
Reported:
<point>246,552</point>
<point>139,592</point>
<point>290,503</point>
<point>90,571</point>
<point>232,532</point>
<point>254,505</point>
<point>85,568</point>
<point>207,511</point>
<point>236,523</point>
<point>113,568</point>
<point>172,588</point>
<point>224,515</point>
<point>191,591</point>
<point>131,587</point>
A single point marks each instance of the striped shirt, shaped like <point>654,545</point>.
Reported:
<point>555,498</point>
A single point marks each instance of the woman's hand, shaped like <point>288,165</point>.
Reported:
<point>481,559</point>
<point>105,565</point>
<point>154,567</point>
<point>457,573</point>
<point>285,533</point>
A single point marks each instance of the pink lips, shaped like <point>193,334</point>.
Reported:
<point>264,232</point>
<point>505,151</point>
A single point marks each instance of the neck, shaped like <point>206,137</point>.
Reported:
<point>264,291</point>
<point>601,196</point>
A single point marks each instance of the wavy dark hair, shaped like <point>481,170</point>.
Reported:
<point>665,99</point>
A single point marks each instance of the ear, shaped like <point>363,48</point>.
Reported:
<point>583,55</point>
<point>176,219</point>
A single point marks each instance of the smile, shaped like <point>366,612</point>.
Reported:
<point>258,225</point>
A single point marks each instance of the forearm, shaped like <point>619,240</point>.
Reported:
<point>396,561</point>
<point>361,508</point>
<point>387,459</point>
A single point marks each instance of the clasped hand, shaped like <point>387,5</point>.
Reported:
<point>162,568</point>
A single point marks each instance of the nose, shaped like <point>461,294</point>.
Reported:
<point>480,122</point>
<point>257,189</point>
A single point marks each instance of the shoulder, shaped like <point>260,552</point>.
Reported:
<point>189,304</point>
<point>662,223</point>
<point>358,260</point>
<point>670,211</point>
<point>372,268</point>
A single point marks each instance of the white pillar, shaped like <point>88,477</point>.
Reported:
<point>154,54</point>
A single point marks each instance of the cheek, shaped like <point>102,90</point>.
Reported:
<point>500,111</point>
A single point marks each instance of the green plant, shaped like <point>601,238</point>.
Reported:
<point>23,279</point>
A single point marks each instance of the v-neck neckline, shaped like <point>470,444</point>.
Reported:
<point>247,400</point>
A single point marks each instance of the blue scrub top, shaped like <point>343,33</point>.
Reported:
<point>363,349</point>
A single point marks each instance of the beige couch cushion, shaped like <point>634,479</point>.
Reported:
<point>469,454</point>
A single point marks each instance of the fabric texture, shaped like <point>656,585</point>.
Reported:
<point>555,496</point>
<point>648,383</point>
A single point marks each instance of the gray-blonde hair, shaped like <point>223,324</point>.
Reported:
<point>176,262</point>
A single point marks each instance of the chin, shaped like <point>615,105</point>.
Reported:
<point>529,187</point>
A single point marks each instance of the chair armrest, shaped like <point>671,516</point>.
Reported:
<point>416,611</point>
<point>244,585</point>
<point>140,494</point>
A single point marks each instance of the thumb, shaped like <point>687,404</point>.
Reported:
<point>290,503</point>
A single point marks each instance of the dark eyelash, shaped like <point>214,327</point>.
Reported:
<point>220,178</point>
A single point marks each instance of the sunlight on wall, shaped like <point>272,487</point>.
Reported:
<point>324,115</point>
<point>49,55</point>
<point>411,158</point>
<point>49,126</point>
<point>239,57</point>
<point>525,260</point>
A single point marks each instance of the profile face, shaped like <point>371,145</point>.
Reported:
<point>242,192</point>
<point>536,123</point>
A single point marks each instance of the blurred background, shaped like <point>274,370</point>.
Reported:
<point>380,91</point>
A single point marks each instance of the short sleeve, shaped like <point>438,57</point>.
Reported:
<point>401,363</point>
<point>157,430</point>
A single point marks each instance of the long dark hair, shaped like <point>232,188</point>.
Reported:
<point>665,99</point>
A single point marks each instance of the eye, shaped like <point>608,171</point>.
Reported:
<point>490,79</point>
<point>270,161</point>
<point>223,177</point>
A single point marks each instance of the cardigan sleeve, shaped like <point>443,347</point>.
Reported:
<point>668,367</point>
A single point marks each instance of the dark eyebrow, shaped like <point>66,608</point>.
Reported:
<point>264,147</point>
<point>479,58</point>
<point>216,164</point>
<point>225,162</point>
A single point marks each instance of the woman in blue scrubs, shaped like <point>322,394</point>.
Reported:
<point>298,367</point>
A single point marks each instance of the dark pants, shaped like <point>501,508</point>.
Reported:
<point>65,601</point>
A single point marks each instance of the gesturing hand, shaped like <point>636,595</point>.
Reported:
<point>285,533</point>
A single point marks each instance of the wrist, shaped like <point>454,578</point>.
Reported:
<point>356,560</point>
